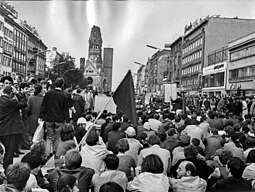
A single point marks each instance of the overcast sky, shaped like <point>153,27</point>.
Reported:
<point>126,26</point>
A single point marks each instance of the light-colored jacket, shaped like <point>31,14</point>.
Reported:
<point>93,156</point>
<point>149,182</point>
<point>188,184</point>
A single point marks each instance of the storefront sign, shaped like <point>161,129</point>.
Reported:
<point>215,68</point>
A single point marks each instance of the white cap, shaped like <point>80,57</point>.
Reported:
<point>130,131</point>
<point>81,120</point>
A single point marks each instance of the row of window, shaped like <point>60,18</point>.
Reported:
<point>190,81</point>
<point>19,56</point>
<point>5,73</point>
<point>242,72</point>
<point>8,33</point>
<point>242,53</point>
<point>6,61</point>
<point>18,67</point>
<point>7,46</point>
<point>191,69</point>
<point>18,35</point>
<point>193,45</point>
<point>192,57</point>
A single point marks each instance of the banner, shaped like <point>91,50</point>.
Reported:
<point>170,91</point>
<point>100,101</point>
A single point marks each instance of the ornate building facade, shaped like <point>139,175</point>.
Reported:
<point>94,69</point>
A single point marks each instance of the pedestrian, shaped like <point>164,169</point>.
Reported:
<point>55,113</point>
<point>11,124</point>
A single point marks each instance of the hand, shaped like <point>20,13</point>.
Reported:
<point>14,90</point>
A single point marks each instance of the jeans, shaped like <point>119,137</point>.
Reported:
<point>52,136</point>
<point>9,142</point>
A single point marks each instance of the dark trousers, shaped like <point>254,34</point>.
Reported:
<point>9,142</point>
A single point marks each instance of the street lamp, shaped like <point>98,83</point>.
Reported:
<point>139,63</point>
<point>36,60</point>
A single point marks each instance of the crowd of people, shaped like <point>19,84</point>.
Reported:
<point>209,146</point>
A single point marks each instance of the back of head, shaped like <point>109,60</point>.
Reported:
<point>152,164</point>
<point>32,160</point>
<point>251,157</point>
<point>38,148</point>
<point>111,161</point>
<point>38,89</point>
<point>195,142</point>
<point>59,82</point>
<point>92,138</point>
<point>236,167</point>
<point>190,151</point>
<point>17,175</point>
<point>154,140</point>
<point>156,116</point>
<point>122,145</point>
<point>116,126</point>
<point>73,159</point>
<point>111,187</point>
<point>66,183</point>
<point>225,156</point>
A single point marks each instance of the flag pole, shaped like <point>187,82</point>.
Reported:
<point>82,140</point>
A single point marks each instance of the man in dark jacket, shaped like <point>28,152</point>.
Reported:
<point>55,112</point>
<point>11,124</point>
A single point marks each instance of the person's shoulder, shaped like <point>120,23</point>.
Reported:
<point>87,170</point>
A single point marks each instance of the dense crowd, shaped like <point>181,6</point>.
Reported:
<point>208,146</point>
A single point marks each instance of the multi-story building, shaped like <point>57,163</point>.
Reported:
<point>241,67</point>
<point>107,69</point>
<point>36,52</point>
<point>156,68</point>
<point>201,38</point>
<point>214,75</point>
<point>19,58</point>
<point>7,14</point>
<point>174,67</point>
<point>141,86</point>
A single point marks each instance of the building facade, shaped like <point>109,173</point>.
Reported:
<point>174,66</point>
<point>97,72</point>
<point>141,86</point>
<point>156,68</point>
<point>36,52</point>
<point>241,67</point>
<point>107,69</point>
<point>201,38</point>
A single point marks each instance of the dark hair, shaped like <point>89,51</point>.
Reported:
<point>65,183</point>
<point>162,136</point>
<point>115,118</point>
<point>9,78</point>
<point>88,117</point>
<point>17,174</point>
<point>32,160</point>
<point>190,151</point>
<point>225,156</point>
<point>59,82</point>
<point>38,89</point>
<point>236,167</point>
<point>92,138</point>
<point>235,139</point>
<point>122,145</point>
<point>111,187</point>
<point>211,114</point>
<point>171,132</point>
<point>195,142</point>
<point>251,157</point>
<point>116,126</point>
<point>152,164</point>
<point>191,167</point>
<point>154,140</point>
<point>23,85</point>
<point>111,161</point>
<point>67,133</point>
<point>38,148</point>
<point>73,159</point>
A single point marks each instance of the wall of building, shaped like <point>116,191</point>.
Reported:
<point>221,31</point>
<point>107,67</point>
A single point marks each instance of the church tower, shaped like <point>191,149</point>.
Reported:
<point>93,68</point>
